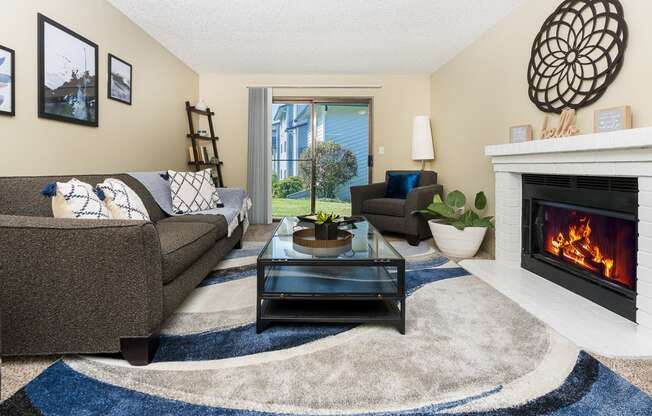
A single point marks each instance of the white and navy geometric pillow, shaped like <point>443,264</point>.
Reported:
<point>76,199</point>
<point>121,200</point>
<point>192,191</point>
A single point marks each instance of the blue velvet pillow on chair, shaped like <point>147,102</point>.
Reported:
<point>399,185</point>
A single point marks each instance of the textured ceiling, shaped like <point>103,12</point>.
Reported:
<point>315,36</point>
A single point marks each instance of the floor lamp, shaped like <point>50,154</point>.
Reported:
<point>422,148</point>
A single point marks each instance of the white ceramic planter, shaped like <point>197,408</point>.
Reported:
<point>455,243</point>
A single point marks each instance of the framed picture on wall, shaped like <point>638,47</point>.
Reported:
<point>67,74</point>
<point>7,81</point>
<point>119,87</point>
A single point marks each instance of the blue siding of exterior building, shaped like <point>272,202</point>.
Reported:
<point>348,126</point>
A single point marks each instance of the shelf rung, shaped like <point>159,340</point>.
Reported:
<point>200,137</point>
<point>206,163</point>
<point>201,112</point>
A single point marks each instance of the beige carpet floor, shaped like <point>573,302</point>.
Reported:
<point>18,371</point>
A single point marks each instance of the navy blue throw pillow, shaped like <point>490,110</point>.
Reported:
<point>399,185</point>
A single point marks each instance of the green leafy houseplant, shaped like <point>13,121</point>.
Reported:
<point>325,226</point>
<point>324,218</point>
<point>453,211</point>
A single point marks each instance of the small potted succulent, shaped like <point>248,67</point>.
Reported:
<point>457,230</point>
<point>325,226</point>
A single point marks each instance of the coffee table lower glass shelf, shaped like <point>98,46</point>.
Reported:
<point>357,287</point>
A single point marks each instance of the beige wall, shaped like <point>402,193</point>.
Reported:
<point>483,91</point>
<point>400,98</point>
<point>150,134</point>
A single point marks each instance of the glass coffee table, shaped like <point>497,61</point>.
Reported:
<point>365,284</point>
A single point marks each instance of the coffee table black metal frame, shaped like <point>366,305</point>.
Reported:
<point>301,305</point>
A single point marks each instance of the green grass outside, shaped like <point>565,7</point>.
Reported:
<point>293,207</point>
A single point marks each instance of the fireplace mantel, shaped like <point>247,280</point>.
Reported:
<point>619,153</point>
<point>632,139</point>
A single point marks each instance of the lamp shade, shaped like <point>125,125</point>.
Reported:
<point>422,148</point>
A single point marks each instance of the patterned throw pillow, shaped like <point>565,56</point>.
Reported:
<point>121,200</point>
<point>76,199</point>
<point>193,191</point>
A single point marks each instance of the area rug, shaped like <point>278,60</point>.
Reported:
<point>468,350</point>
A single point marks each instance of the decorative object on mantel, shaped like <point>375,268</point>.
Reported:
<point>611,119</point>
<point>422,148</point>
<point>200,158</point>
<point>458,231</point>
<point>577,54</point>
<point>566,126</point>
<point>520,134</point>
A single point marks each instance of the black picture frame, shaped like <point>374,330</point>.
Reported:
<point>109,91</point>
<point>43,112</point>
<point>12,69</point>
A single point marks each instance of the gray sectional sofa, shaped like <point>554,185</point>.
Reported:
<point>97,286</point>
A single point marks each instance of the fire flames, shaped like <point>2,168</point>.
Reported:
<point>575,245</point>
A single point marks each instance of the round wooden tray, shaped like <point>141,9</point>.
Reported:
<point>305,242</point>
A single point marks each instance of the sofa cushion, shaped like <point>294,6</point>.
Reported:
<point>182,243</point>
<point>76,199</point>
<point>217,220</point>
<point>122,201</point>
<point>193,191</point>
<point>426,177</point>
<point>399,185</point>
<point>393,207</point>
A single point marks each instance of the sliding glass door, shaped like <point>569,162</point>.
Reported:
<point>320,148</point>
<point>291,137</point>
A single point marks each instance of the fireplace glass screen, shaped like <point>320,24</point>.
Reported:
<point>602,245</point>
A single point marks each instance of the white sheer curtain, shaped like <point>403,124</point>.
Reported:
<point>259,155</point>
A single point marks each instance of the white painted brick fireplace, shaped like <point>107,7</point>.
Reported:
<point>625,153</point>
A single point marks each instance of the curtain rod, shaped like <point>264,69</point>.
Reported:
<point>317,86</point>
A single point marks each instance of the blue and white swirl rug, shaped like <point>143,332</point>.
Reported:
<point>468,350</point>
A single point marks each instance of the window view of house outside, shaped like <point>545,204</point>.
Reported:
<point>341,149</point>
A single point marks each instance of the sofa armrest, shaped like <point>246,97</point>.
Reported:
<point>421,197</point>
<point>73,285</point>
<point>359,194</point>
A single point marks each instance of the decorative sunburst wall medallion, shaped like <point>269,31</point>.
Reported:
<point>577,54</point>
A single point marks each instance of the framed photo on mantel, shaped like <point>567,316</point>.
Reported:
<point>520,134</point>
<point>612,119</point>
<point>67,74</point>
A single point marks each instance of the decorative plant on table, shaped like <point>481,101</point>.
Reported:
<point>458,230</point>
<point>325,226</point>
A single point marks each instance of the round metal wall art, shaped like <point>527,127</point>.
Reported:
<point>577,54</point>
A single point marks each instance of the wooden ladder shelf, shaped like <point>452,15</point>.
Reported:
<point>194,137</point>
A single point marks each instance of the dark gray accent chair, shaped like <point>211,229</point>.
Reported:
<point>97,286</point>
<point>393,214</point>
